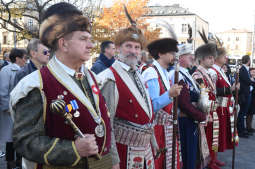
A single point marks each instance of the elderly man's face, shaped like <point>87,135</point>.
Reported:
<point>129,52</point>
<point>186,60</point>
<point>80,45</point>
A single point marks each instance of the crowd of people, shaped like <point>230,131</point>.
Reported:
<point>124,106</point>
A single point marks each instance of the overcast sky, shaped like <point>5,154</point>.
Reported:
<point>221,14</point>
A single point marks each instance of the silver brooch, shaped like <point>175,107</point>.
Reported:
<point>135,36</point>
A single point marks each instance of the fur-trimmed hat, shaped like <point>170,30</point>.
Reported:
<point>185,49</point>
<point>162,46</point>
<point>221,51</point>
<point>61,19</point>
<point>209,49</point>
<point>130,34</point>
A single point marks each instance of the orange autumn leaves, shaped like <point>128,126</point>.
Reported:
<point>113,19</point>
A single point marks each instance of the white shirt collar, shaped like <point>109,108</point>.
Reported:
<point>68,70</point>
<point>247,67</point>
<point>124,65</point>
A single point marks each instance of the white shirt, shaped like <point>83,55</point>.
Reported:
<point>68,70</point>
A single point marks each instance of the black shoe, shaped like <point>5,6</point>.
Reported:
<point>251,130</point>
<point>243,135</point>
<point>248,133</point>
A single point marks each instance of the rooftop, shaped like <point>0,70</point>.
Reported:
<point>172,10</point>
<point>234,30</point>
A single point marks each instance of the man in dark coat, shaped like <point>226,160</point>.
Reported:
<point>246,86</point>
<point>106,57</point>
<point>39,56</point>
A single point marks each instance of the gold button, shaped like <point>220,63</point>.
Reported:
<point>136,115</point>
<point>130,101</point>
<point>105,149</point>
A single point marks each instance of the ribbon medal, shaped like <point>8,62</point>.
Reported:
<point>73,106</point>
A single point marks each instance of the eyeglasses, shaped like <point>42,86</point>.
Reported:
<point>45,52</point>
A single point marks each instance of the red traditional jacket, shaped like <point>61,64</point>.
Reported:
<point>128,106</point>
<point>55,125</point>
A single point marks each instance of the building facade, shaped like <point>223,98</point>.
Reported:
<point>179,18</point>
<point>238,42</point>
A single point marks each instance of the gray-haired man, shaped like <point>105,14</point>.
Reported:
<point>39,56</point>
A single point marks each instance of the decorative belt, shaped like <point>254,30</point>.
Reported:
<point>223,101</point>
<point>163,118</point>
<point>131,135</point>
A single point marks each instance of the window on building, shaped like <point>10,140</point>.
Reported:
<point>237,38</point>
<point>172,25</point>
<point>5,39</point>
<point>30,24</point>
<point>237,47</point>
<point>184,28</point>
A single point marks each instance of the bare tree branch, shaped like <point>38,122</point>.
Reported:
<point>14,9</point>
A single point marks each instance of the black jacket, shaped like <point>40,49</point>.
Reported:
<point>245,83</point>
<point>102,63</point>
<point>27,69</point>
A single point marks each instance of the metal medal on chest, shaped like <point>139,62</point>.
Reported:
<point>76,114</point>
<point>99,130</point>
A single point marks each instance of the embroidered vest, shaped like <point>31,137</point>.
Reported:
<point>208,86</point>
<point>128,107</point>
<point>55,124</point>
<point>221,82</point>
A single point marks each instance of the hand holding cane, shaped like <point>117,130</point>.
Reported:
<point>58,106</point>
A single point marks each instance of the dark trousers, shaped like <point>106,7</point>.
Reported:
<point>189,142</point>
<point>244,107</point>
<point>13,158</point>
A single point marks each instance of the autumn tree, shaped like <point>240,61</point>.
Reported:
<point>24,17</point>
<point>113,19</point>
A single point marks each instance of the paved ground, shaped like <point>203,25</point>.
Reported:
<point>245,155</point>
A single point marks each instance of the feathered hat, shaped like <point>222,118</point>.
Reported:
<point>59,20</point>
<point>207,49</point>
<point>131,33</point>
<point>163,45</point>
<point>214,41</point>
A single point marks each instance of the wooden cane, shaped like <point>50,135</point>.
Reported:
<point>175,121</point>
<point>235,115</point>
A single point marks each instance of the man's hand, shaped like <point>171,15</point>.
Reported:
<point>86,146</point>
<point>116,166</point>
<point>209,118</point>
<point>175,90</point>
<point>235,86</point>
